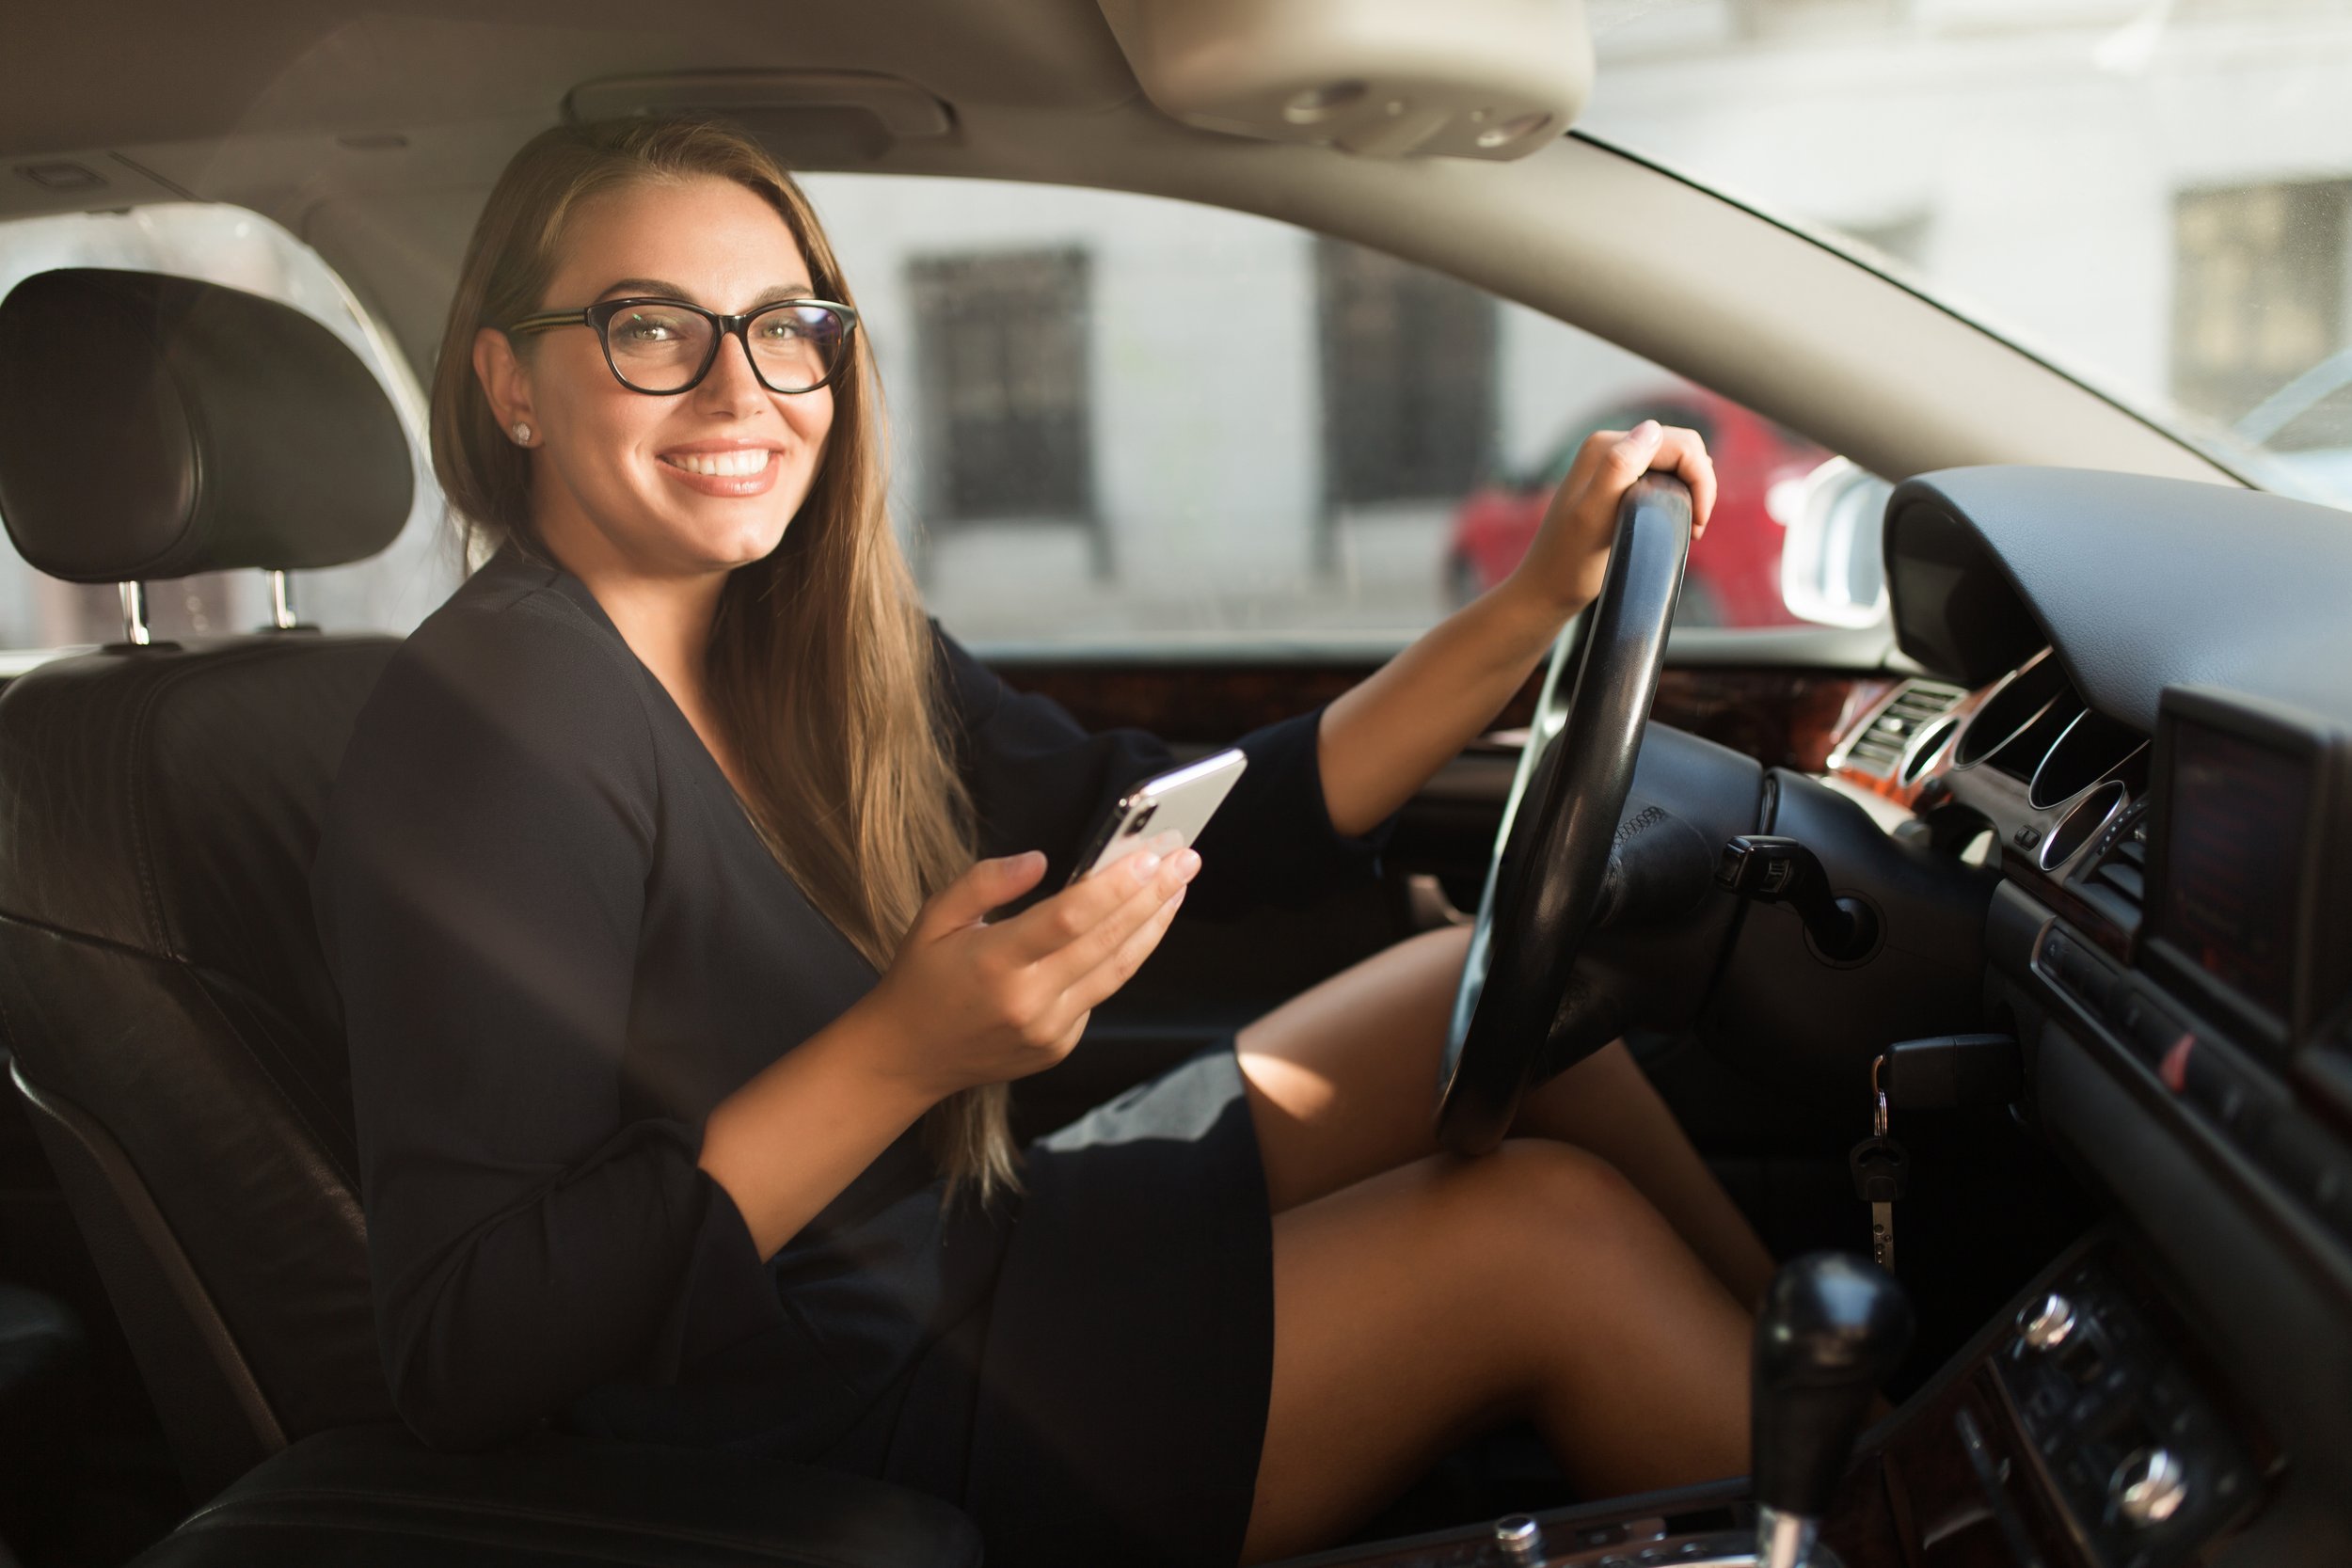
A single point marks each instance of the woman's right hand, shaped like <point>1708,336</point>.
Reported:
<point>971,1003</point>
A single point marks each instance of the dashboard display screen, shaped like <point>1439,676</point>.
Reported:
<point>2233,857</point>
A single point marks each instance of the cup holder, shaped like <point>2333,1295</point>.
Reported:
<point>2089,817</point>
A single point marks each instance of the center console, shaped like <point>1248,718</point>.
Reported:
<point>2080,1429</point>
<point>1693,1532</point>
<point>2142,1465</point>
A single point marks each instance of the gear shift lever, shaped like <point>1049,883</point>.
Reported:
<point>1832,1328</point>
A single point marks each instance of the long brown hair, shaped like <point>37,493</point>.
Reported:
<point>820,666</point>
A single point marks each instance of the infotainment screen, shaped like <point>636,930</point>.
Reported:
<point>2235,827</point>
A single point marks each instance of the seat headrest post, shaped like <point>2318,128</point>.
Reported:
<point>281,610</point>
<point>134,615</point>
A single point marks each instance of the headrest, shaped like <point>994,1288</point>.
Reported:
<point>156,427</point>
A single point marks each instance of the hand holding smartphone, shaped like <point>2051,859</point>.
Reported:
<point>1180,801</point>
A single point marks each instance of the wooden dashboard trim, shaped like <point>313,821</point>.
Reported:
<point>1782,718</point>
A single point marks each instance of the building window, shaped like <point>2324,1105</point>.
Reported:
<point>1408,379</point>
<point>2259,295</point>
<point>1004,393</point>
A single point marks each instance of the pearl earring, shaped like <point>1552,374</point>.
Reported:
<point>522,432</point>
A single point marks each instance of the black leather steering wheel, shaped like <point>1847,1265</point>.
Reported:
<point>1552,860</point>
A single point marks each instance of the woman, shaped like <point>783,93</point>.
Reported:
<point>680,1041</point>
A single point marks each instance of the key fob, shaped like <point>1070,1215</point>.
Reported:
<point>1880,1170</point>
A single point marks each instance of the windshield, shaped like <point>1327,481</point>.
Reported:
<point>2155,195</point>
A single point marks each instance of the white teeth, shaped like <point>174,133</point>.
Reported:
<point>721,465</point>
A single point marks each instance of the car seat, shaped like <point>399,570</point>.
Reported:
<point>174,1026</point>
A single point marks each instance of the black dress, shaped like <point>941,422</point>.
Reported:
<point>559,943</point>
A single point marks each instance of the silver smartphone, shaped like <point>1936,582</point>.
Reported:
<point>1180,800</point>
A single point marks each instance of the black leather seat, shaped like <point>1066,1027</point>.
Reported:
<point>40,1345</point>
<point>373,1498</point>
<point>174,1024</point>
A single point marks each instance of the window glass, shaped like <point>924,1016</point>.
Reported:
<point>2258,301</point>
<point>2153,193</point>
<point>242,250</point>
<point>1125,419</point>
<point>1116,420</point>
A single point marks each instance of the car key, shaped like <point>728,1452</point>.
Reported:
<point>1882,1169</point>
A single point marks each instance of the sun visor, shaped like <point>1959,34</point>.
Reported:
<point>1386,78</point>
<point>817,118</point>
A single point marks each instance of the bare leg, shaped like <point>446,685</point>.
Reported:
<point>1424,1302</point>
<point>1343,1080</point>
<point>1605,1104</point>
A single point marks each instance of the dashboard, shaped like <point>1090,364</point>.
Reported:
<point>2137,708</point>
<point>2108,849</point>
<point>2210,853</point>
<point>2110,818</point>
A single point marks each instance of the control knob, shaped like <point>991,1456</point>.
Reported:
<point>1520,1540</point>
<point>2045,1327</point>
<point>2148,1487</point>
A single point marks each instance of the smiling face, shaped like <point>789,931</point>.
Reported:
<point>684,487</point>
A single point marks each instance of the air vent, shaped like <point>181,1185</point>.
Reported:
<point>2035,727</point>
<point>2022,757</point>
<point>2116,884</point>
<point>2092,747</point>
<point>2022,721</point>
<point>1916,705</point>
<point>2013,703</point>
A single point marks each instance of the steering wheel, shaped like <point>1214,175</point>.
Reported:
<point>1513,1025</point>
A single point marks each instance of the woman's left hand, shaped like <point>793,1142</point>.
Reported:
<point>1564,566</point>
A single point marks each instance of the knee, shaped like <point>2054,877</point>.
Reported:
<point>1426,968</point>
<point>1532,1190</point>
<point>1444,948</point>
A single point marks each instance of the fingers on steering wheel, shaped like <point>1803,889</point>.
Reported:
<point>1629,454</point>
<point>1682,452</point>
<point>1654,447</point>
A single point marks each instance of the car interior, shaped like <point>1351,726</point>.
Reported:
<point>2006,938</point>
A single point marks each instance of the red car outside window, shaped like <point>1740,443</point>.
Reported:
<point>1734,578</point>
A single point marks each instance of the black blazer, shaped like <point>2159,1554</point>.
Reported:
<point>559,943</point>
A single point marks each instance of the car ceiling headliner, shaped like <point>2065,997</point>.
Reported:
<point>117,71</point>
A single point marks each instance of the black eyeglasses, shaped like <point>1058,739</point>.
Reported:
<point>662,347</point>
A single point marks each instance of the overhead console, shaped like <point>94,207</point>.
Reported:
<point>1494,79</point>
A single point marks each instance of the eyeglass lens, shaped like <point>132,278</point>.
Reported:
<point>662,348</point>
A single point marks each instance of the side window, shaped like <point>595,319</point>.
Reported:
<point>242,250</point>
<point>1126,421</point>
